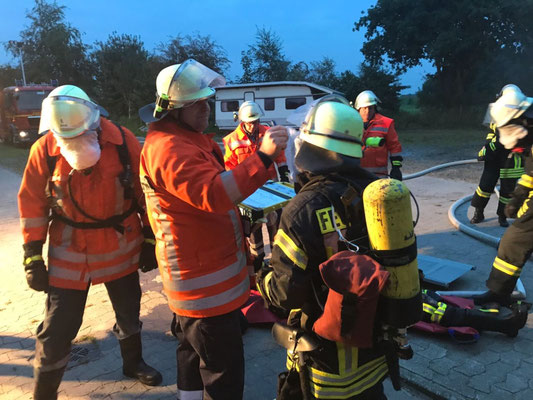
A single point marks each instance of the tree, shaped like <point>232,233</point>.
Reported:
<point>201,48</point>
<point>51,47</point>
<point>264,60</point>
<point>458,37</point>
<point>323,73</point>
<point>298,72</point>
<point>124,77</point>
<point>8,74</point>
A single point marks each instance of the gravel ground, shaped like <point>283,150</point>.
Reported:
<point>419,157</point>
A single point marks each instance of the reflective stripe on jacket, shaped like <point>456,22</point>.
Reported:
<point>191,205</point>
<point>376,159</point>
<point>238,147</point>
<point>79,256</point>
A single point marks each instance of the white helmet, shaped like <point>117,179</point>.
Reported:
<point>511,104</point>
<point>332,124</point>
<point>366,98</point>
<point>180,85</point>
<point>68,112</point>
<point>250,111</point>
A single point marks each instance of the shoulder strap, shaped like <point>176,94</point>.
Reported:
<point>124,157</point>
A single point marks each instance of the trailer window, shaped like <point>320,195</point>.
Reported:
<point>294,102</point>
<point>270,104</point>
<point>227,106</point>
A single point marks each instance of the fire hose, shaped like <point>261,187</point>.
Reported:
<point>519,292</point>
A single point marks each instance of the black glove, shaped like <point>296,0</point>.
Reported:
<point>36,274</point>
<point>518,197</point>
<point>147,260</point>
<point>395,173</point>
<point>284,173</point>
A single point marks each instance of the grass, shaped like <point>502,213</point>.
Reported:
<point>13,158</point>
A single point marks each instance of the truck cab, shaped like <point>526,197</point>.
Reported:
<point>20,112</point>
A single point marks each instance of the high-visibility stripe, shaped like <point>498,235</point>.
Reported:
<point>525,206</point>
<point>217,300</point>
<point>428,309</point>
<point>348,389</point>
<point>289,248</point>
<point>66,254</point>
<point>231,187</point>
<point>327,378</point>
<point>37,257</point>
<point>378,129</point>
<point>490,136</point>
<point>526,180</point>
<point>481,193</point>
<point>492,146</point>
<point>37,364</point>
<point>239,143</point>
<point>506,268</point>
<point>504,200</point>
<point>190,394</point>
<point>265,286</point>
<point>439,312</point>
<point>39,222</point>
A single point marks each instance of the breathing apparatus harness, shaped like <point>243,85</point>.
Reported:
<point>114,221</point>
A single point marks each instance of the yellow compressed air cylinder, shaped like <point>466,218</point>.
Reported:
<point>389,222</point>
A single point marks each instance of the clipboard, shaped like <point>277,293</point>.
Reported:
<point>270,197</point>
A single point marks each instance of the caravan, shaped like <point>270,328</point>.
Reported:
<point>277,99</point>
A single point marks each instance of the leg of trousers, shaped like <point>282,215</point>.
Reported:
<point>487,182</point>
<point>125,296</point>
<point>514,250</point>
<point>62,321</point>
<point>210,357</point>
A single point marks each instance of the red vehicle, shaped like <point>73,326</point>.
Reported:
<point>20,112</point>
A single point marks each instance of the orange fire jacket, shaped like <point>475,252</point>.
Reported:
<point>77,257</point>
<point>191,201</point>
<point>376,159</point>
<point>238,147</point>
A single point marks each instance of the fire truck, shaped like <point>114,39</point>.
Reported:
<point>20,111</point>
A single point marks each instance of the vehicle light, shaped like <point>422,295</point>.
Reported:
<point>23,134</point>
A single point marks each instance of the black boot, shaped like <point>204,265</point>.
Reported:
<point>506,320</point>
<point>490,297</point>
<point>478,216</point>
<point>133,365</point>
<point>502,220</point>
<point>47,383</point>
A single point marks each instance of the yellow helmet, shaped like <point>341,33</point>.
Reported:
<point>332,124</point>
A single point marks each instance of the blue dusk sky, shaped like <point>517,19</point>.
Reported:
<point>309,30</point>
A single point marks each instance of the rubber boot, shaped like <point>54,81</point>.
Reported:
<point>47,383</point>
<point>504,320</point>
<point>478,216</point>
<point>502,220</point>
<point>133,365</point>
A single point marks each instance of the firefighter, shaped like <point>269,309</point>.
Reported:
<point>512,113</point>
<point>498,162</point>
<point>380,138</point>
<point>191,201</point>
<point>77,175</point>
<point>506,320</point>
<point>315,225</point>
<point>241,144</point>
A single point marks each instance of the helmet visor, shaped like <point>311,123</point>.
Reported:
<point>192,82</point>
<point>68,117</point>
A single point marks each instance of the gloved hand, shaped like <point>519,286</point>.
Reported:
<point>36,274</point>
<point>147,260</point>
<point>395,173</point>
<point>284,173</point>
